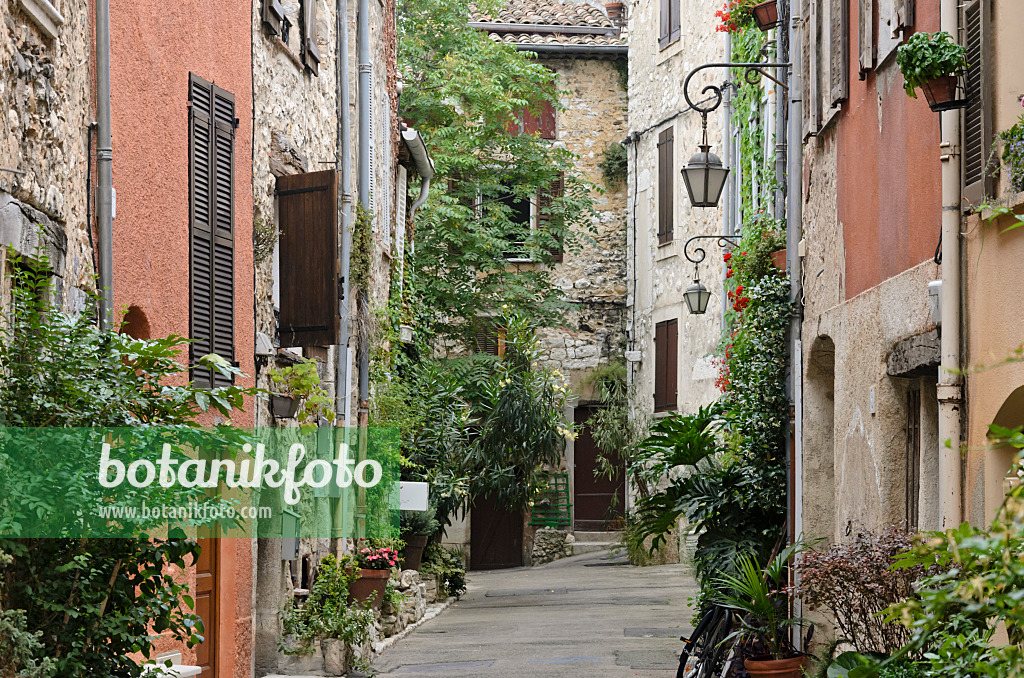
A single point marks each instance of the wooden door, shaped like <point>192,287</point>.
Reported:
<point>597,501</point>
<point>206,606</point>
<point>496,536</point>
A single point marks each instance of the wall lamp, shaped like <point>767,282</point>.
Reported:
<point>696,295</point>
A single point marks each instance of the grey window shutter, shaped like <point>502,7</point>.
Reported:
<point>812,79</point>
<point>673,20</point>
<point>904,14</point>
<point>866,36</point>
<point>310,51</point>
<point>839,60</point>
<point>273,15</point>
<point>664,23</point>
<point>211,227</point>
<point>666,186</point>
<point>308,254</point>
<point>978,168</point>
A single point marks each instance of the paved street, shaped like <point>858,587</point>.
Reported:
<point>592,615</point>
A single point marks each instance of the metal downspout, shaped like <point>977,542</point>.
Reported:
<point>364,93</point>
<point>727,160</point>
<point>104,163</point>
<point>949,387</point>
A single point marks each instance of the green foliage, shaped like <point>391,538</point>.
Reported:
<point>302,381</point>
<point>419,523</point>
<point>465,94</point>
<point>20,649</point>
<point>926,56</point>
<point>264,238</point>
<point>362,248</point>
<point>621,67</point>
<point>447,563</point>
<point>327,613</point>
<point>393,598</point>
<point>755,592</point>
<point>96,601</point>
<point>615,429</point>
<point>1013,153</point>
<point>756,172</point>
<point>614,166</point>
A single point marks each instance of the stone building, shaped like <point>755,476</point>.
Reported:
<point>670,351</point>
<point>585,45</point>
<point>45,139</point>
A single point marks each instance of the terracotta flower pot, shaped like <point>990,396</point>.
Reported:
<point>941,93</point>
<point>766,15</point>
<point>369,582</point>
<point>793,667</point>
<point>412,554</point>
<point>779,259</point>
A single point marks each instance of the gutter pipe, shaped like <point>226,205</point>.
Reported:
<point>364,93</point>
<point>104,163</point>
<point>950,385</point>
<point>424,166</point>
<point>344,161</point>
<point>794,235</point>
<point>589,50</point>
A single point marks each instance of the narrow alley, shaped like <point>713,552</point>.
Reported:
<point>591,615</point>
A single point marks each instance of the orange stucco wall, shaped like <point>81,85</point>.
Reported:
<point>888,170</point>
<point>154,46</point>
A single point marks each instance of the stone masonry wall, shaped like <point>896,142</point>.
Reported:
<point>593,272</point>
<point>659,274</point>
<point>45,89</point>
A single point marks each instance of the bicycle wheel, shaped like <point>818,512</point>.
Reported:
<point>713,651</point>
<point>696,643</point>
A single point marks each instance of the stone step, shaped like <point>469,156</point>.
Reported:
<point>582,547</point>
<point>605,537</point>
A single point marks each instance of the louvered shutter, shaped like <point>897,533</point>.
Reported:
<point>664,23</point>
<point>904,13</point>
<point>839,59</point>
<point>673,20</point>
<point>665,186</point>
<point>211,227</point>
<point>273,15</point>
<point>866,36</point>
<point>308,255</point>
<point>490,338</point>
<point>979,179</point>
<point>546,220</point>
<point>547,121</point>
<point>812,81</point>
<point>666,363</point>
<point>310,51</point>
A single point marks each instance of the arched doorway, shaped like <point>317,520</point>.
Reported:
<point>999,459</point>
<point>819,402</point>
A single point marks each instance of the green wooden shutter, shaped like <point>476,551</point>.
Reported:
<point>211,227</point>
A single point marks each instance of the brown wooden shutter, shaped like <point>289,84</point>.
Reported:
<point>839,61</point>
<point>545,220</point>
<point>866,36</point>
<point>490,338</point>
<point>547,121</point>
<point>666,186</point>
<point>310,51</point>
<point>666,362</point>
<point>978,170</point>
<point>211,227</point>
<point>530,122</point>
<point>273,15</point>
<point>308,255</point>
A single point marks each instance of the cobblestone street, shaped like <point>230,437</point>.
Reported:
<point>592,615</point>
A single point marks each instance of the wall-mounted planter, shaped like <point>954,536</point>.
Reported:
<point>766,15</point>
<point>779,259</point>
<point>942,93</point>
<point>283,406</point>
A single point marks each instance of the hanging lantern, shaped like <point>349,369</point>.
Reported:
<point>696,297</point>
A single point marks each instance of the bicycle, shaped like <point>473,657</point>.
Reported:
<point>706,645</point>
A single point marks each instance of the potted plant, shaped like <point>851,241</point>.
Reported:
<point>417,528</point>
<point>756,593</point>
<point>935,63</point>
<point>766,15</point>
<point>375,563</point>
<point>298,394</point>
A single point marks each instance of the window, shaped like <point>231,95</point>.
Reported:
<point>669,23</point>
<point>273,17</point>
<point>310,51</point>
<point>490,338</point>
<point>543,122</point>
<point>44,14</point>
<point>527,215</point>
<point>913,458</point>
<point>212,127</point>
<point>548,221</point>
<point>520,215</point>
<point>979,179</point>
<point>308,255</point>
<point>666,186</point>
<point>665,364</point>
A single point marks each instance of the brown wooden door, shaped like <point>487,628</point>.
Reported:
<point>496,536</point>
<point>597,501</point>
<point>206,606</point>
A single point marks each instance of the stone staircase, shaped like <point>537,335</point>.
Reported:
<point>591,542</point>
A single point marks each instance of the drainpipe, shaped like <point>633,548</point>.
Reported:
<point>424,167</point>
<point>363,50</point>
<point>730,227</point>
<point>949,387</point>
<point>344,161</point>
<point>104,162</point>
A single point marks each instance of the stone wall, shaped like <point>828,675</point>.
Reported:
<point>45,88</point>
<point>659,274</point>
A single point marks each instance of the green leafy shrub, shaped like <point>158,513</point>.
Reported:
<point>447,563</point>
<point>926,56</point>
<point>20,650</point>
<point>302,381</point>
<point>1013,153</point>
<point>613,165</point>
<point>419,523</point>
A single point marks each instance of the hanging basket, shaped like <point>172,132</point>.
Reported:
<point>944,94</point>
<point>766,15</point>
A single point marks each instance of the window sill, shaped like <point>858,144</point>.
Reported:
<point>287,51</point>
<point>668,51</point>
<point>666,250</point>
<point>44,15</point>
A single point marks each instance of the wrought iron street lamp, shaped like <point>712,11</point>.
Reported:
<point>696,295</point>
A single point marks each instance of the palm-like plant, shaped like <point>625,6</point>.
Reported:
<point>754,591</point>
